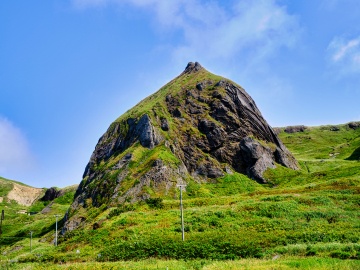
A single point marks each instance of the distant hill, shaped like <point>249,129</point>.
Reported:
<point>25,195</point>
<point>19,192</point>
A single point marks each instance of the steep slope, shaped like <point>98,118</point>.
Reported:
<point>198,127</point>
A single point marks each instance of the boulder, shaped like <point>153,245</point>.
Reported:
<point>257,157</point>
<point>50,194</point>
<point>354,125</point>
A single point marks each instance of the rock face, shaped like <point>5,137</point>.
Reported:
<point>51,194</point>
<point>198,127</point>
<point>257,158</point>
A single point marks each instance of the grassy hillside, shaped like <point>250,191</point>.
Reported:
<point>17,222</point>
<point>306,219</point>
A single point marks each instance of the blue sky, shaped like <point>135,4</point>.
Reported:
<point>69,68</point>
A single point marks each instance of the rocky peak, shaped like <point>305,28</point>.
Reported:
<point>193,67</point>
<point>198,127</point>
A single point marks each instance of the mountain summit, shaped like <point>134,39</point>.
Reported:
<point>198,127</point>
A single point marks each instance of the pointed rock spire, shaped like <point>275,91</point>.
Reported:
<point>193,67</point>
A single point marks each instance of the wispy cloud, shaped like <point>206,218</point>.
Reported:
<point>254,30</point>
<point>14,150</point>
<point>344,55</point>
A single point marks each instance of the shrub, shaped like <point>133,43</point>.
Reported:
<point>311,251</point>
<point>156,203</point>
<point>122,209</point>
<point>340,254</point>
<point>214,249</point>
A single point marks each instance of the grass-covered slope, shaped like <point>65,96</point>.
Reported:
<point>19,219</point>
<point>308,218</point>
<point>327,154</point>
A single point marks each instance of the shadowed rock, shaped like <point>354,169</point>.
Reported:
<point>257,157</point>
<point>51,194</point>
<point>354,125</point>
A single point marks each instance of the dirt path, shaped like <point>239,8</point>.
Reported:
<point>24,195</point>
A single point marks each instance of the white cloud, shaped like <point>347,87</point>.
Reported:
<point>344,55</point>
<point>211,30</point>
<point>14,151</point>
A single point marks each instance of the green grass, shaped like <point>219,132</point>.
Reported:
<point>283,263</point>
<point>306,219</point>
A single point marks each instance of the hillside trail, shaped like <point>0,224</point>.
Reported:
<point>24,195</point>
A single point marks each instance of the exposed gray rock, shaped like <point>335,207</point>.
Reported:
<point>257,157</point>
<point>159,177</point>
<point>215,135</point>
<point>47,209</point>
<point>228,170</point>
<point>334,128</point>
<point>164,124</point>
<point>192,67</point>
<point>294,129</point>
<point>146,133</point>
<point>122,162</point>
<point>235,116</point>
<point>354,125</point>
<point>209,170</point>
<point>72,223</point>
<point>201,85</point>
<point>51,194</point>
<point>120,136</point>
<point>285,158</point>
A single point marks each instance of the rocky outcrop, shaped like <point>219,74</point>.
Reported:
<point>225,119</point>
<point>199,127</point>
<point>120,136</point>
<point>51,194</point>
<point>258,158</point>
<point>354,125</point>
<point>295,129</point>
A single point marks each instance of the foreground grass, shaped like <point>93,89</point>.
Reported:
<point>312,263</point>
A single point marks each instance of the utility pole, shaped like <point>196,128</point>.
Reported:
<point>182,211</point>
<point>31,232</point>
<point>1,219</point>
<point>56,233</point>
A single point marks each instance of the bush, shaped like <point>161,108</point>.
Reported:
<point>122,209</point>
<point>340,254</point>
<point>214,249</point>
<point>310,251</point>
<point>156,203</point>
